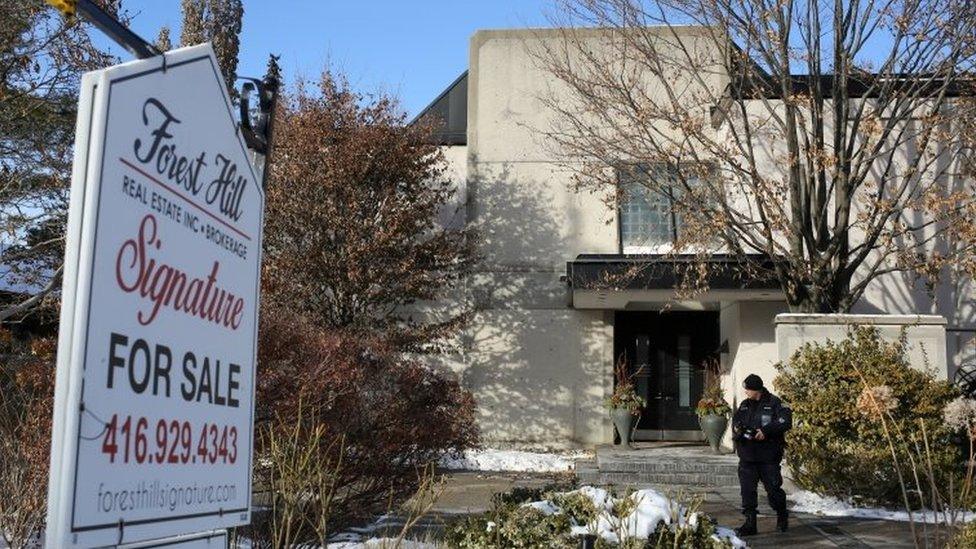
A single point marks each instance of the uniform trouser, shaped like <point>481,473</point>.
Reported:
<point>750,473</point>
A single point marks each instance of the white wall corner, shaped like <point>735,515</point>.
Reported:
<point>925,335</point>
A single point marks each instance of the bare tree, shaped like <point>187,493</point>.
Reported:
<point>352,236</point>
<point>194,28</point>
<point>42,58</point>
<point>220,22</point>
<point>225,24</point>
<point>819,144</point>
<point>163,42</point>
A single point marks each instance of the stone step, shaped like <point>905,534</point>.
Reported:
<point>690,459</point>
<point>682,465</point>
<point>666,467</point>
<point>594,476</point>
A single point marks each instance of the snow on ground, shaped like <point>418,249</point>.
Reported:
<point>650,507</point>
<point>809,502</point>
<point>382,543</point>
<point>514,460</point>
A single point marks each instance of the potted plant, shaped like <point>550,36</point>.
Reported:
<point>624,403</point>
<point>713,411</point>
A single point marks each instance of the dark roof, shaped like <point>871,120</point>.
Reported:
<point>755,82</point>
<point>857,86</point>
<point>660,272</point>
<point>450,113</point>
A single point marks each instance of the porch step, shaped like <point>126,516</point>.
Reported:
<point>674,465</point>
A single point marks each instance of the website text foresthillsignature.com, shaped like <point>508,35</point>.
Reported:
<point>155,495</point>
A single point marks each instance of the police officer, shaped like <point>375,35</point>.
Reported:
<point>758,427</point>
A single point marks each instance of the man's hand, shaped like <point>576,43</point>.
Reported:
<point>760,435</point>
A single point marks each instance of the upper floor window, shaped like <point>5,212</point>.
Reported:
<point>648,221</point>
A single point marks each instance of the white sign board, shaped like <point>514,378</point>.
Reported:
<point>156,359</point>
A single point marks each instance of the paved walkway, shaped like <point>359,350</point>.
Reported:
<point>470,492</point>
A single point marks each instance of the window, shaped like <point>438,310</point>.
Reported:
<point>648,223</point>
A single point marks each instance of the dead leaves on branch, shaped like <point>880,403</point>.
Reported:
<point>353,237</point>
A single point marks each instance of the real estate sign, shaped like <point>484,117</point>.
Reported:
<point>156,358</point>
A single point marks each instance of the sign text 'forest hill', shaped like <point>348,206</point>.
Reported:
<point>159,152</point>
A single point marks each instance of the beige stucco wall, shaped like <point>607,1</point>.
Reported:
<point>749,327</point>
<point>925,335</point>
<point>538,376</point>
<point>951,299</point>
<point>540,368</point>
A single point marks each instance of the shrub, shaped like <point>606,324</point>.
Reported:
<point>577,505</point>
<point>699,535</point>
<point>529,527</point>
<point>26,410</point>
<point>524,494</point>
<point>838,445</point>
<point>511,522</point>
<point>965,538</point>
<point>299,475</point>
<point>393,415</point>
<point>511,526</point>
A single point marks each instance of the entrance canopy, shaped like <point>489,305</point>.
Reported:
<point>621,281</point>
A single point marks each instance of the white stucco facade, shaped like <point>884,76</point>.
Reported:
<point>538,355</point>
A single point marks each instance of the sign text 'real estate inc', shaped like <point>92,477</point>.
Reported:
<point>156,372</point>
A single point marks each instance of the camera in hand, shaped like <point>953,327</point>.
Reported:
<point>749,433</point>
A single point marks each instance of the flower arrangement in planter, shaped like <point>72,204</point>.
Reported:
<point>713,403</point>
<point>712,409</point>
<point>624,403</point>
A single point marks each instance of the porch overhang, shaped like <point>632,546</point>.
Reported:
<point>619,281</point>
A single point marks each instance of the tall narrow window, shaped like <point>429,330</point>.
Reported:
<point>684,371</point>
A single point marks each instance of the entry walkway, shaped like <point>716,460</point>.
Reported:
<point>691,470</point>
<point>470,493</point>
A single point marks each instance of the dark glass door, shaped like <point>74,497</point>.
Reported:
<point>666,351</point>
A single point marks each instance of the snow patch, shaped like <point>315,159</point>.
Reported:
<point>650,508</point>
<point>514,460</point>
<point>382,543</point>
<point>816,504</point>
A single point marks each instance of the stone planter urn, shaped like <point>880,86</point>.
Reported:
<point>621,420</point>
<point>714,427</point>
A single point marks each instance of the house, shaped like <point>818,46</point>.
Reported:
<point>540,353</point>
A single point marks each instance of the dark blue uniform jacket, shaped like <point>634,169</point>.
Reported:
<point>769,414</point>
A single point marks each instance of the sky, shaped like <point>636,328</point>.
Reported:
<point>411,48</point>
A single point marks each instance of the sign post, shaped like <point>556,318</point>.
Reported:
<point>153,421</point>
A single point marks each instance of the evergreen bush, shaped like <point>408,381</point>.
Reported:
<point>550,522</point>
<point>965,537</point>
<point>838,446</point>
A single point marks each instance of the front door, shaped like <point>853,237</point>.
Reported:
<point>666,351</point>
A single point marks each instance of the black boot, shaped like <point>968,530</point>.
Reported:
<point>748,527</point>
<point>782,521</point>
